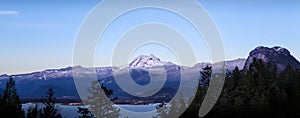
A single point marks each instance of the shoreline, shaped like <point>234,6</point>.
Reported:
<point>82,104</point>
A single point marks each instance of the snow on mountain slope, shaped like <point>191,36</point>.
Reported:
<point>63,81</point>
<point>231,64</point>
<point>145,61</point>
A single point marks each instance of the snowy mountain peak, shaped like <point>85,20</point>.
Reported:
<point>145,61</point>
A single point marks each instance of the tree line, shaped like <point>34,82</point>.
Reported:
<point>11,106</point>
<point>259,91</point>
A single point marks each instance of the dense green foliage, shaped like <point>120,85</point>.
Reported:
<point>260,91</point>
<point>10,104</point>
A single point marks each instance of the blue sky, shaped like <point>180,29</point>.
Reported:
<point>37,35</point>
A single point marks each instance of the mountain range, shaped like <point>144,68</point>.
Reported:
<point>34,85</point>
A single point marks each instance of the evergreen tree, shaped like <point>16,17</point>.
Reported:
<point>97,101</point>
<point>242,96</point>
<point>259,91</point>
<point>50,110</point>
<point>85,113</point>
<point>193,109</point>
<point>176,108</point>
<point>10,101</point>
<point>33,112</point>
<point>290,85</point>
<point>206,75</point>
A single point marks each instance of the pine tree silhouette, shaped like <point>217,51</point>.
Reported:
<point>51,110</point>
<point>193,109</point>
<point>100,103</point>
<point>10,104</point>
<point>85,113</point>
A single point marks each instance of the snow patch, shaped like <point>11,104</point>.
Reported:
<point>145,61</point>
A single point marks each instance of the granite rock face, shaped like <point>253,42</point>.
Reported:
<point>278,56</point>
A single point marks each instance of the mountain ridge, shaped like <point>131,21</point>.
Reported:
<point>35,84</point>
<point>118,67</point>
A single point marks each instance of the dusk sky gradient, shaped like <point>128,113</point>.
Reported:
<point>38,35</point>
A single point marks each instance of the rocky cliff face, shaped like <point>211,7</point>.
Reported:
<point>279,56</point>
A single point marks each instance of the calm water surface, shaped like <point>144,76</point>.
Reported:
<point>125,110</point>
